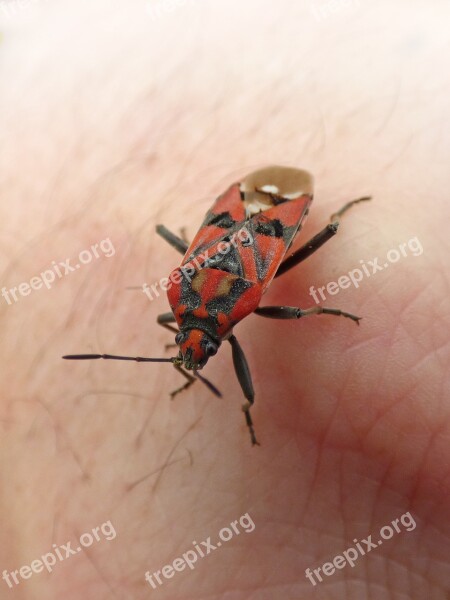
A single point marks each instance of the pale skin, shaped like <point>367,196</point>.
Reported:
<point>123,121</point>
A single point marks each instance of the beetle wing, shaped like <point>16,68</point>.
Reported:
<point>273,231</point>
<point>271,222</point>
<point>257,254</point>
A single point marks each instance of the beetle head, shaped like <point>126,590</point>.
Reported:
<point>196,347</point>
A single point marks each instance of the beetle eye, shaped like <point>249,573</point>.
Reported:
<point>210,349</point>
<point>179,338</point>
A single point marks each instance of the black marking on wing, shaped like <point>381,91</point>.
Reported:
<point>270,227</point>
<point>225,222</point>
<point>190,298</point>
<point>229,262</point>
<point>222,220</point>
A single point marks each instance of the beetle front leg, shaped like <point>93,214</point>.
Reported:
<point>164,319</point>
<point>293,312</point>
<point>189,382</point>
<point>245,379</point>
<point>318,240</point>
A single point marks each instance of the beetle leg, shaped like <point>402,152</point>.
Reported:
<point>189,382</point>
<point>165,319</point>
<point>245,380</point>
<point>172,239</point>
<point>293,312</point>
<point>335,217</point>
<point>318,240</point>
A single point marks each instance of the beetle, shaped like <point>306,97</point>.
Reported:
<point>241,246</point>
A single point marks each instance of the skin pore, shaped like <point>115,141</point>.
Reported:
<point>115,119</point>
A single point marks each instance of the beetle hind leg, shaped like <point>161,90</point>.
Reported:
<point>318,240</point>
<point>245,380</point>
<point>335,217</point>
<point>248,420</point>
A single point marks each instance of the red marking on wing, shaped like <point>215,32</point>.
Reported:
<point>174,289</point>
<point>248,302</point>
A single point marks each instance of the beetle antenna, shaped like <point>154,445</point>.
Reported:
<point>115,357</point>
<point>208,384</point>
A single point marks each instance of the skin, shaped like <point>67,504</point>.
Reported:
<point>114,122</point>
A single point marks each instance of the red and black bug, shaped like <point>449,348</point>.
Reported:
<point>238,250</point>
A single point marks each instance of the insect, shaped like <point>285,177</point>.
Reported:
<point>241,246</point>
